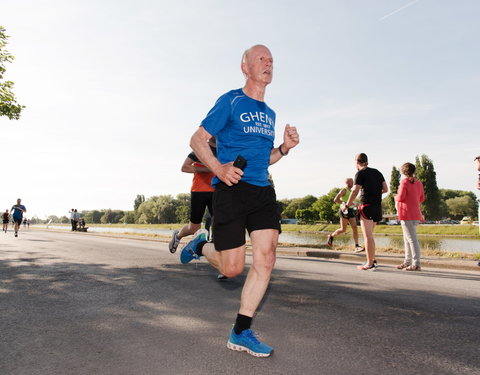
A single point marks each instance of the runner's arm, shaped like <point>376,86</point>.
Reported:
<point>290,140</point>
<point>384,188</point>
<point>355,190</point>
<point>340,194</point>
<point>189,167</point>
<point>225,172</point>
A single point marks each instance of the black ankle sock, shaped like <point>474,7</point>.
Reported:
<point>242,323</point>
<point>200,248</point>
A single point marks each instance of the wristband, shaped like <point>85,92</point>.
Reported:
<point>281,152</point>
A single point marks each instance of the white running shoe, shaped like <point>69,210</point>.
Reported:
<point>173,244</point>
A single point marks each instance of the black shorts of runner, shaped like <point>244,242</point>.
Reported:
<point>239,207</point>
<point>5,221</point>
<point>371,212</point>
<point>17,220</point>
<point>199,201</point>
<point>352,213</point>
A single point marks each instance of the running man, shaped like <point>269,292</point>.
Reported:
<point>347,216</point>
<point>18,210</point>
<point>5,219</point>
<point>243,199</point>
<point>201,195</point>
<point>372,185</point>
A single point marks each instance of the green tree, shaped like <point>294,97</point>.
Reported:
<point>389,201</point>
<point>282,205</point>
<point>433,206</point>
<point>448,194</point>
<point>128,218</point>
<point>459,207</point>
<point>138,201</point>
<point>298,204</point>
<point>307,216</point>
<point>182,214</point>
<point>325,206</point>
<point>8,103</point>
<point>165,209</point>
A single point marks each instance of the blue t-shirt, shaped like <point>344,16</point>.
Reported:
<point>243,126</point>
<point>17,213</point>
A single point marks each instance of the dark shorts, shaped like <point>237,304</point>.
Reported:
<point>239,207</point>
<point>17,220</point>
<point>371,212</point>
<point>352,213</point>
<point>5,221</point>
<point>200,200</point>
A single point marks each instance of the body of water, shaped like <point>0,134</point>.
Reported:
<point>452,244</point>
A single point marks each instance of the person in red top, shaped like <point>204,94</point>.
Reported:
<point>201,196</point>
<point>409,196</point>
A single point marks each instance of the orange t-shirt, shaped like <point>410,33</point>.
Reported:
<point>202,182</point>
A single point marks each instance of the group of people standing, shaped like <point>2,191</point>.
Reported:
<point>75,220</point>
<point>15,214</point>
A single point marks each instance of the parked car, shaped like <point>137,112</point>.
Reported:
<point>393,222</point>
<point>466,220</point>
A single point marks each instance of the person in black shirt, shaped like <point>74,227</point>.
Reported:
<point>372,185</point>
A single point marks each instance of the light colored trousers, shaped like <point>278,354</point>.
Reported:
<point>412,247</point>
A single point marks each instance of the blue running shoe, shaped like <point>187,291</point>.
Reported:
<point>246,341</point>
<point>189,251</point>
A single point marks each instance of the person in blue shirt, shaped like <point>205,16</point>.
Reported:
<point>244,125</point>
<point>17,214</point>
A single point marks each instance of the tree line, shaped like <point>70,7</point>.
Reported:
<point>166,209</point>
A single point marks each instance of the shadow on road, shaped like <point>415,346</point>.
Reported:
<point>60,317</point>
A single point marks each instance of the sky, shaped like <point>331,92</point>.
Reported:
<point>114,90</point>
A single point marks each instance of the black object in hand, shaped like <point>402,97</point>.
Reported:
<point>240,162</point>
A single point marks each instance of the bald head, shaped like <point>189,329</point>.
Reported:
<point>249,51</point>
<point>257,65</point>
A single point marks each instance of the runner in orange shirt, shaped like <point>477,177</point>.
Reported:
<point>201,196</point>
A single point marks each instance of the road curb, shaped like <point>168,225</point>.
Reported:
<point>466,265</point>
<point>382,258</point>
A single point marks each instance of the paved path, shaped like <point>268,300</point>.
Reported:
<point>71,303</point>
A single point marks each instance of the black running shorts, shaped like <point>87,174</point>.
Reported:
<point>371,212</point>
<point>351,213</point>
<point>239,207</point>
<point>17,220</point>
<point>200,200</point>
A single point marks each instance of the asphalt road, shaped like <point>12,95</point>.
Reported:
<point>73,303</point>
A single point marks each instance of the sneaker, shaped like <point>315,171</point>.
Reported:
<point>221,277</point>
<point>246,341</point>
<point>359,249</point>
<point>366,267</point>
<point>330,240</point>
<point>173,244</point>
<point>16,234</point>
<point>189,251</point>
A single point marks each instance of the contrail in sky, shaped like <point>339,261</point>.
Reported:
<point>399,9</point>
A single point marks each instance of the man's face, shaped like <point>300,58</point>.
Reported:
<point>349,183</point>
<point>259,65</point>
<point>19,201</point>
